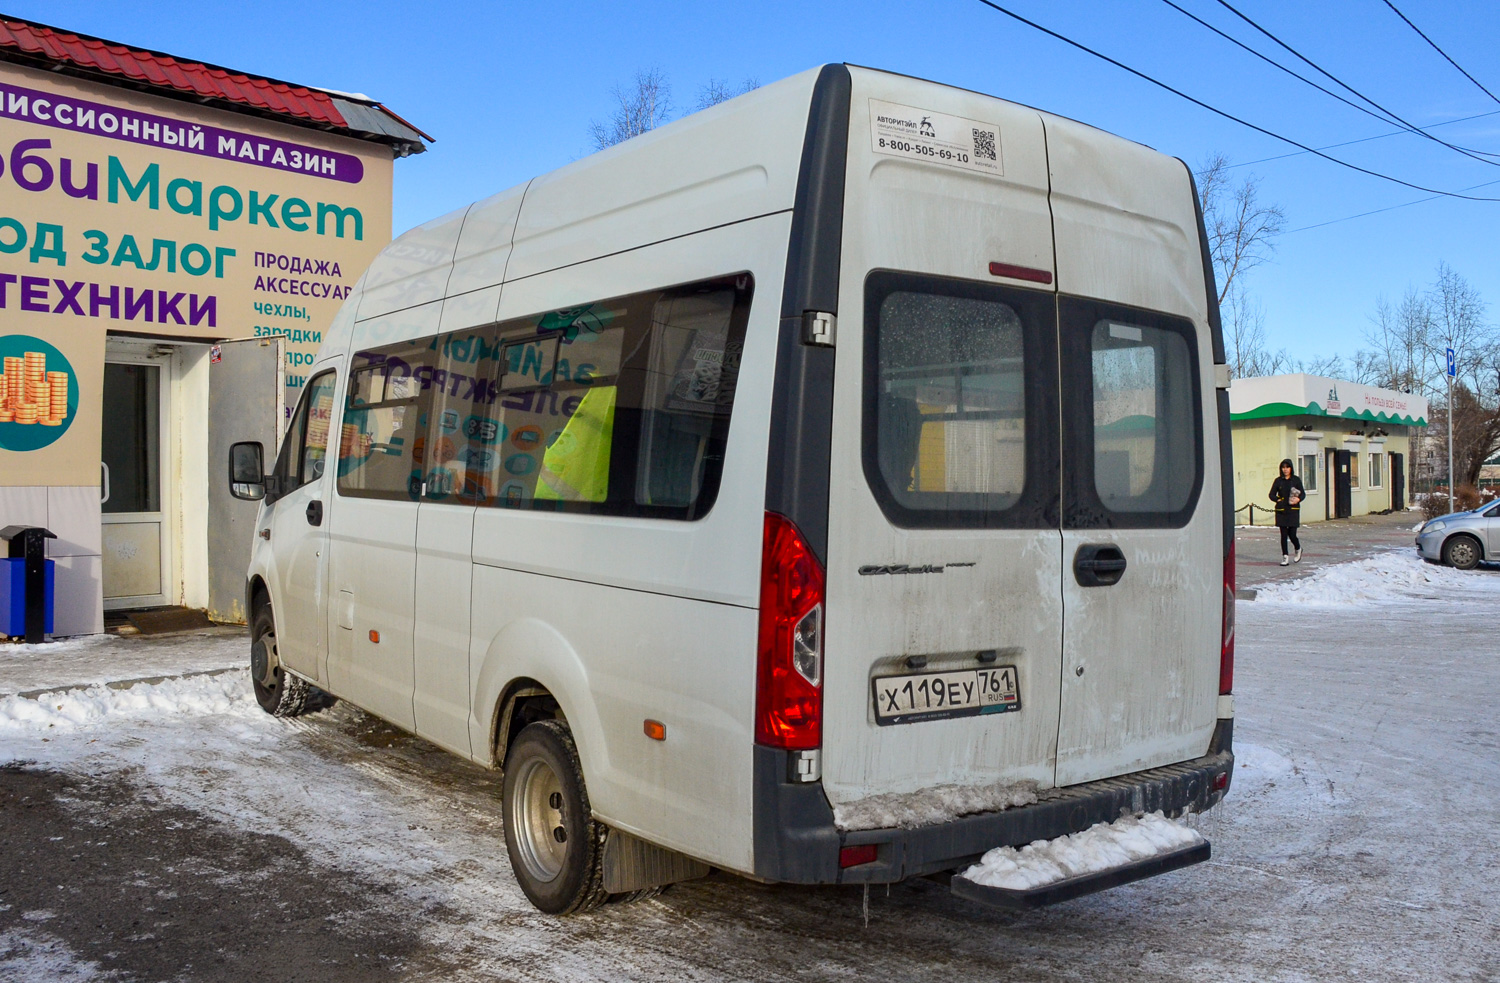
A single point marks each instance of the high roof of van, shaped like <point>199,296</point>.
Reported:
<point>737,160</point>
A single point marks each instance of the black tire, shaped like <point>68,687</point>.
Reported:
<point>1463,552</point>
<point>278,692</point>
<point>556,849</point>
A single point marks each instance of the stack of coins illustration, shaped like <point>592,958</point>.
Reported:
<point>30,394</point>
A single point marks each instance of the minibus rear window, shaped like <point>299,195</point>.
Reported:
<point>949,435</point>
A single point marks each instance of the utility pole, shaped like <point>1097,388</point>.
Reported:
<point>1452,371</point>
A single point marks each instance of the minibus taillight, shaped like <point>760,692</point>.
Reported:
<point>789,680</point>
<point>1226,652</point>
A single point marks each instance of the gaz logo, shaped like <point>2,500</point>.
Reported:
<point>527,438</point>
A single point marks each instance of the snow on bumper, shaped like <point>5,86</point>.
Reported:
<point>1104,855</point>
<point>796,840</point>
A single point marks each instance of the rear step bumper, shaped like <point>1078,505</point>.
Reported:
<point>1077,887</point>
<point>796,841</point>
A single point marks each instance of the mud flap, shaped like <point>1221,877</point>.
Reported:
<point>1077,887</point>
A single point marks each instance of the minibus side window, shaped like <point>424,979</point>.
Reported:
<point>306,443</point>
<point>382,437</point>
<point>619,406</point>
<point>463,444</point>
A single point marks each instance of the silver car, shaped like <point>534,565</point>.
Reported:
<point>1462,539</point>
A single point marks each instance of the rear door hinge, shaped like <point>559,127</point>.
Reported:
<point>1221,376</point>
<point>819,328</point>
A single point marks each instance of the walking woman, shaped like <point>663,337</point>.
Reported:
<point>1286,492</point>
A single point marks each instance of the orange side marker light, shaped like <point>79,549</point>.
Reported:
<point>656,730</point>
<point>374,636</point>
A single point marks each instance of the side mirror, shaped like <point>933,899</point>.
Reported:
<point>247,474</point>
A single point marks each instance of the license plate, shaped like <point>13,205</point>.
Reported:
<point>939,695</point>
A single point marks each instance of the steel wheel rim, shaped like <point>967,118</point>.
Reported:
<point>1462,553</point>
<point>535,820</point>
<point>273,661</point>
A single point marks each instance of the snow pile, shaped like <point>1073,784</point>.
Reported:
<point>1396,575</point>
<point>940,804</point>
<point>219,695</point>
<point>1099,848</point>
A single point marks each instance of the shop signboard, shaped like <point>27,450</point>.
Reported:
<point>152,216</point>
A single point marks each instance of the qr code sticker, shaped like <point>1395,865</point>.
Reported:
<point>984,144</point>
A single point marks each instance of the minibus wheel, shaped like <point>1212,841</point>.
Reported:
<point>556,849</point>
<point>278,692</point>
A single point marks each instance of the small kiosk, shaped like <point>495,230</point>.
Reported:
<point>1350,443</point>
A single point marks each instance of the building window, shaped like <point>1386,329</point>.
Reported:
<point>1309,472</point>
<point>1377,469</point>
<point>1354,470</point>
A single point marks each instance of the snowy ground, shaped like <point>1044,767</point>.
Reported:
<point>1359,840</point>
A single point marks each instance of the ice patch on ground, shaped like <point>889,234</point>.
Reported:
<point>940,804</point>
<point>1254,766</point>
<point>1101,847</point>
<point>26,954</point>
<point>75,643</point>
<point>1396,575</point>
<point>219,694</point>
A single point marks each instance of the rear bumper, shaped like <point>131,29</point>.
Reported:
<point>796,840</point>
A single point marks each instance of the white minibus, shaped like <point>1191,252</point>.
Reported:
<point>827,487</point>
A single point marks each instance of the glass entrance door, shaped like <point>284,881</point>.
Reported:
<point>132,463</point>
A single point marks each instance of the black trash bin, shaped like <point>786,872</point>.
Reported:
<point>26,583</point>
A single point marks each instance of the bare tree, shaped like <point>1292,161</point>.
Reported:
<point>641,107</point>
<point>718,90</point>
<point>1241,233</point>
<point>1399,341</point>
<point>1241,228</point>
<point>1331,366</point>
<point>1245,339</point>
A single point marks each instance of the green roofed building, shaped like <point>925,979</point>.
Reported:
<point>1351,444</point>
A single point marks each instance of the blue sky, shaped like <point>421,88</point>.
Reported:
<point>509,90</point>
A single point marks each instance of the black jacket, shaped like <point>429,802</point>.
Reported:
<point>1287,514</point>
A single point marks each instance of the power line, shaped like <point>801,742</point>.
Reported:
<point>1377,211</point>
<point>1274,63</point>
<point>1399,121</point>
<point>1219,112</point>
<point>1440,50</point>
<point>1378,136</point>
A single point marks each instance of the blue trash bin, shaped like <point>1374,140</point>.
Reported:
<point>13,595</point>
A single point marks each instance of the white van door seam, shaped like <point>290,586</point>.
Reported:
<point>604,583</point>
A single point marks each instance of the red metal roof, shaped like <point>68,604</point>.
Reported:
<point>163,70</point>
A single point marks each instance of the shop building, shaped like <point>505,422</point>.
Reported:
<point>1351,444</point>
<point>173,236</point>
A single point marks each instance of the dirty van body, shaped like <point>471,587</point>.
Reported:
<point>827,487</point>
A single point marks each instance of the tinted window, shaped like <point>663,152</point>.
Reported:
<point>382,434</point>
<point>1144,434</point>
<point>305,446</point>
<point>957,431</point>
<point>1133,436</point>
<point>619,407</point>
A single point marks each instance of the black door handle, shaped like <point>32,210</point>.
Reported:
<point>315,513</point>
<point>1098,565</point>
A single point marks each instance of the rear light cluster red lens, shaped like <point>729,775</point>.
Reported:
<point>1226,653</point>
<point>853,856</point>
<point>789,683</point>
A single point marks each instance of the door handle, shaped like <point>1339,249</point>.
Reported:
<point>315,513</point>
<point>104,490</point>
<point>1098,565</point>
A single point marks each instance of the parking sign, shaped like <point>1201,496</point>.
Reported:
<point>1452,363</point>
